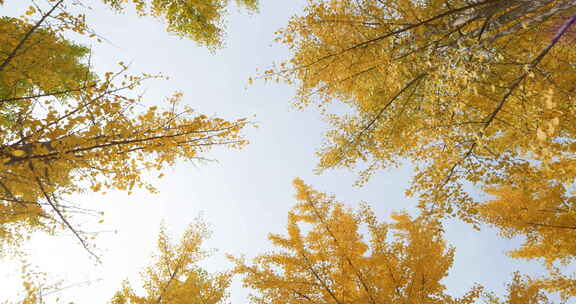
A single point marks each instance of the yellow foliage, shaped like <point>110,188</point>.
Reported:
<point>174,277</point>
<point>325,259</point>
<point>35,285</point>
<point>470,92</point>
<point>521,290</point>
<point>23,75</point>
<point>64,130</point>
<point>198,20</point>
<point>544,215</point>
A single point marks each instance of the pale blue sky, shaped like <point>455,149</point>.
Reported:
<point>247,193</point>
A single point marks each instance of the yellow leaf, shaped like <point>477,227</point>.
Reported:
<point>18,153</point>
<point>31,10</point>
<point>548,102</point>
<point>541,135</point>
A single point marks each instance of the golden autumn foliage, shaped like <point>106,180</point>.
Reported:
<point>35,286</point>
<point>198,20</point>
<point>67,131</point>
<point>37,61</point>
<point>521,290</point>
<point>471,92</point>
<point>99,140</point>
<point>325,258</point>
<point>175,276</point>
<point>25,75</point>
<point>545,217</point>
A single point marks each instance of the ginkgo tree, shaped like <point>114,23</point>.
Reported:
<point>198,20</point>
<point>521,290</point>
<point>175,276</point>
<point>96,141</point>
<point>202,21</point>
<point>324,258</point>
<point>472,92</point>
<point>67,130</point>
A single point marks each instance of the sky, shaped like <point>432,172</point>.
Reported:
<point>243,195</point>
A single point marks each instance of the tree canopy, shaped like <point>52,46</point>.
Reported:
<point>477,95</point>
<point>175,276</point>
<point>42,64</point>
<point>66,130</point>
<point>471,92</point>
<point>199,20</point>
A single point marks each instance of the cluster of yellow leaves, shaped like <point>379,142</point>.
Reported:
<point>175,277</point>
<point>97,140</point>
<point>64,130</point>
<point>520,291</point>
<point>456,87</point>
<point>198,20</point>
<point>35,285</point>
<point>546,218</point>
<point>24,75</point>
<point>324,258</point>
